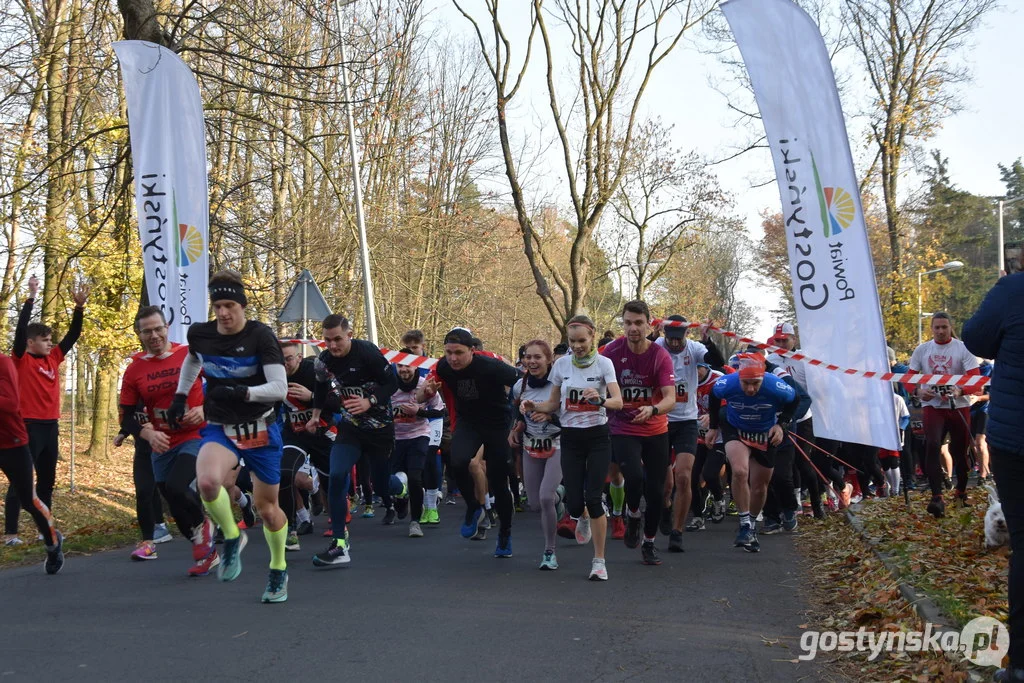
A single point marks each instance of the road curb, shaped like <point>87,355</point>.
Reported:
<point>922,605</point>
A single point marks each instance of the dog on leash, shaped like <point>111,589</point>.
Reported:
<point>996,533</point>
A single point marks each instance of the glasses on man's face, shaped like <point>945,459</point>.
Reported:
<point>152,331</point>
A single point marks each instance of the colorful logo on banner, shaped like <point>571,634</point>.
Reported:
<point>837,206</point>
<point>189,245</point>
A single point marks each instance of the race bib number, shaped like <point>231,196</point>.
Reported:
<point>945,390</point>
<point>350,392</point>
<point>142,418</point>
<point>400,417</point>
<point>575,403</point>
<point>436,432</point>
<point>540,446</point>
<point>755,440</point>
<point>634,398</point>
<point>248,435</point>
<point>298,419</point>
<point>682,396</point>
<point>917,426</point>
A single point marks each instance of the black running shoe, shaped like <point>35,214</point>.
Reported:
<point>55,555</point>
<point>649,553</point>
<point>248,512</point>
<point>665,524</point>
<point>632,537</point>
<point>389,516</point>
<point>336,555</point>
<point>304,528</point>
<point>675,542</point>
<point>402,506</point>
<point>937,507</point>
<point>754,546</point>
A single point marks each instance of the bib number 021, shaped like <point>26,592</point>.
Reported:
<point>248,435</point>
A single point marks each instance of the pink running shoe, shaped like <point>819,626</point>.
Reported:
<point>145,550</point>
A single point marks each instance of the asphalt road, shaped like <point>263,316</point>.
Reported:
<point>438,608</point>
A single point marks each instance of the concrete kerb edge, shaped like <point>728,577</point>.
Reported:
<point>923,606</point>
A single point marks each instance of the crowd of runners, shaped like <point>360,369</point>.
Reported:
<point>609,438</point>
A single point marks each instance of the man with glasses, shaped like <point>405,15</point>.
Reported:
<point>151,381</point>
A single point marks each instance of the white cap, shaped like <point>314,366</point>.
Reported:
<point>785,329</point>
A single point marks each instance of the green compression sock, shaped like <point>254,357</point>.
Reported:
<point>220,512</point>
<point>618,495</point>
<point>276,541</point>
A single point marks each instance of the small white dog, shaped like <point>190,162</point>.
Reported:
<point>996,533</point>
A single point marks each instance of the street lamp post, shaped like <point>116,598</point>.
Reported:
<point>1001,256</point>
<point>364,252</point>
<point>952,265</point>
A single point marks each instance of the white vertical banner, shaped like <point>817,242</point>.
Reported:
<point>168,137</point>
<point>830,260</point>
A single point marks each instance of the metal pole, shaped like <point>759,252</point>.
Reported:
<point>920,327</point>
<point>74,416</point>
<point>364,252</point>
<point>999,257</point>
<point>305,314</point>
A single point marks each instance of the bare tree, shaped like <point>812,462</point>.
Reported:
<point>615,46</point>
<point>908,48</point>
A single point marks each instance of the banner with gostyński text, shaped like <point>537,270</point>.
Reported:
<point>168,139</point>
<point>830,260</point>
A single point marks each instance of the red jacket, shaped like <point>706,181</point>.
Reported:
<point>12,427</point>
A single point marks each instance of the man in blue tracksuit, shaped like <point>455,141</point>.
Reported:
<point>997,331</point>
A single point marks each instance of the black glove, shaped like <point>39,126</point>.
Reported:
<point>227,393</point>
<point>177,411</point>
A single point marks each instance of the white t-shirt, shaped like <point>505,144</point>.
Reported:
<point>576,411</point>
<point>951,358</point>
<point>540,439</point>
<point>684,365</point>
<point>796,370</point>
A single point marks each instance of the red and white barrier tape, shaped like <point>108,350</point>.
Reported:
<point>907,378</point>
<point>389,355</point>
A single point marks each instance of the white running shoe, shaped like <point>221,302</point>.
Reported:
<point>583,532</point>
<point>598,570</point>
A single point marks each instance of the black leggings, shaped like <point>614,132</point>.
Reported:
<point>182,499</point>
<point>466,441</point>
<point>148,509</point>
<point>410,456</point>
<point>781,497</point>
<point>363,479</point>
<point>292,459</point>
<point>586,452</point>
<point>707,465</point>
<point>825,463</point>
<point>43,449</point>
<point>865,459</point>
<point>16,463</point>
<point>643,461</point>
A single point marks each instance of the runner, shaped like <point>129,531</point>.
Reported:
<point>438,446</point>
<point>639,432</point>
<point>16,464</point>
<point>538,434</point>
<point>151,380</point>
<point>583,388</point>
<point>979,422</point>
<point>683,430</point>
<point>751,432</point>
<point>245,378</point>
<point>357,372</point>
<point>302,451</point>
<point>710,457</point>
<point>479,411</point>
<point>412,439</point>
<point>37,360</point>
<point>946,409</point>
<point>785,337</point>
